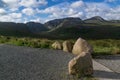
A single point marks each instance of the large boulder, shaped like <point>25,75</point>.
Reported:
<point>80,46</point>
<point>57,45</point>
<point>81,65</point>
<point>67,46</point>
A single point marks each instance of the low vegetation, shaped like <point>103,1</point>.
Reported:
<point>105,46</point>
<point>101,47</point>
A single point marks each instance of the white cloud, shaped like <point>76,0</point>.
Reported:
<point>5,18</point>
<point>50,10</point>
<point>26,3</point>
<point>114,13</point>
<point>37,20</point>
<point>79,14</point>
<point>77,4</point>
<point>33,3</point>
<point>28,11</point>
<point>15,15</point>
<point>2,11</point>
<point>66,9</point>
<point>96,9</point>
<point>11,3</point>
<point>81,9</point>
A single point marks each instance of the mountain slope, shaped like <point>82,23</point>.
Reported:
<point>63,22</point>
<point>67,23</point>
<point>36,28</point>
<point>95,19</point>
<point>53,23</point>
<point>93,28</point>
<point>13,29</point>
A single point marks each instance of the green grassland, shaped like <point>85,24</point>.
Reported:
<point>101,47</point>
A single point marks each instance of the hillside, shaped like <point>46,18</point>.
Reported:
<point>95,19</point>
<point>13,29</point>
<point>66,28</point>
<point>21,29</point>
<point>36,28</point>
<point>93,28</point>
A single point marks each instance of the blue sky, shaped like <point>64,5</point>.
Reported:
<point>45,10</point>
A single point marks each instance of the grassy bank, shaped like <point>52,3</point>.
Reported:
<point>101,47</point>
<point>105,46</point>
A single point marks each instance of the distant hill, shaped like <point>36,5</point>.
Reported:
<point>93,28</point>
<point>65,22</point>
<point>95,19</point>
<point>53,23</point>
<point>65,28</point>
<point>14,29</point>
<point>21,29</point>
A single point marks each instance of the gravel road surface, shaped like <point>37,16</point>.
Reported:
<point>102,72</point>
<point>110,61</point>
<point>21,63</point>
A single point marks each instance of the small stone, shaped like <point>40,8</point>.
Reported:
<point>67,46</point>
<point>57,45</point>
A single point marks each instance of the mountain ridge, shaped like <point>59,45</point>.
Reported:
<point>70,27</point>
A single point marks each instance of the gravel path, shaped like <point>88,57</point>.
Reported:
<point>110,61</point>
<point>102,72</point>
<point>21,63</point>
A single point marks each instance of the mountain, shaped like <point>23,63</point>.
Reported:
<point>115,21</point>
<point>14,29</point>
<point>36,28</point>
<point>66,28</point>
<point>63,22</point>
<point>93,28</point>
<point>95,19</point>
<point>53,23</point>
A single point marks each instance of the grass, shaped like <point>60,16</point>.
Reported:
<point>101,47</point>
<point>105,46</point>
<point>29,42</point>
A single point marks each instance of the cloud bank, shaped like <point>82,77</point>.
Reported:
<point>39,11</point>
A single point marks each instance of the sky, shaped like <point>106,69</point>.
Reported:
<point>22,11</point>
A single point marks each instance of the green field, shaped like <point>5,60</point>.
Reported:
<point>101,47</point>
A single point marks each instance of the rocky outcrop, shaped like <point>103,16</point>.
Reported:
<point>81,65</point>
<point>57,45</point>
<point>67,46</point>
<point>80,46</point>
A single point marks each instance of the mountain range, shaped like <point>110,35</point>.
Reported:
<point>65,28</point>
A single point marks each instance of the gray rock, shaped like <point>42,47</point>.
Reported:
<point>81,65</point>
<point>67,46</point>
<point>80,46</point>
<point>57,45</point>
